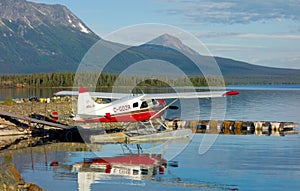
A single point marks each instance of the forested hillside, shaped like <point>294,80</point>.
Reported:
<point>67,79</point>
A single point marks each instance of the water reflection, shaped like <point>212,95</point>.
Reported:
<point>130,167</point>
<point>84,170</point>
<point>27,92</point>
<point>135,170</point>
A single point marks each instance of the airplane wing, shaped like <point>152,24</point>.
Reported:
<point>179,95</point>
<point>190,95</point>
<point>93,94</point>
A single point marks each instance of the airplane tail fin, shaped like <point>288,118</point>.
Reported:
<point>86,105</point>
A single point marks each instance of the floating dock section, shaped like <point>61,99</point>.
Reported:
<point>236,127</point>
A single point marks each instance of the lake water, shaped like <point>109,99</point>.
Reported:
<point>233,162</point>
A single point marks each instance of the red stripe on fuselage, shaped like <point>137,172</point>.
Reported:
<point>128,117</point>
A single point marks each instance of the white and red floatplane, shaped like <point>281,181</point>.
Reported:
<point>130,108</point>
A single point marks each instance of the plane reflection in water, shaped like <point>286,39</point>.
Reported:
<point>135,170</point>
<point>130,167</point>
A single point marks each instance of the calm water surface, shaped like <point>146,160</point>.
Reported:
<point>244,162</point>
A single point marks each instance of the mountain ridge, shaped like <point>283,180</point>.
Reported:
<point>37,38</point>
<point>34,14</point>
<point>42,38</point>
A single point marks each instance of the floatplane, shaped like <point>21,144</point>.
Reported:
<point>132,108</point>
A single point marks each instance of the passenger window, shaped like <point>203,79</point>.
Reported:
<point>135,172</point>
<point>144,104</point>
<point>136,104</point>
<point>144,171</point>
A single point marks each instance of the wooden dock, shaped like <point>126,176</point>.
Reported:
<point>36,122</point>
<point>14,128</point>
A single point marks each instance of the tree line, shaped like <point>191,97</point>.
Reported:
<point>70,79</point>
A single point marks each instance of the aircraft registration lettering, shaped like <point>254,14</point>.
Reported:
<point>122,108</point>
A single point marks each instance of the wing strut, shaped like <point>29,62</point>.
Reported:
<point>164,108</point>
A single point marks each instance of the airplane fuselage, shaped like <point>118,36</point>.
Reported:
<point>128,109</point>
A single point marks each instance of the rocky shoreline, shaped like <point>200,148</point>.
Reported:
<point>11,180</point>
<point>16,135</point>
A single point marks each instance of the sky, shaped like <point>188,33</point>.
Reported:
<point>259,32</point>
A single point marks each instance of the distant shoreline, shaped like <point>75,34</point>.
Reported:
<point>296,85</point>
<point>68,80</point>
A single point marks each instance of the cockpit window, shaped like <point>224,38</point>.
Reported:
<point>144,104</point>
<point>136,104</point>
<point>154,101</point>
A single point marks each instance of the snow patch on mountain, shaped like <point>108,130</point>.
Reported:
<point>83,29</point>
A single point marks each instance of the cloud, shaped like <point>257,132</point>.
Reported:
<point>234,11</point>
<point>269,36</point>
<point>224,34</point>
<point>206,34</point>
<point>235,46</point>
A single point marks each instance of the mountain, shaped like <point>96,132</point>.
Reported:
<point>42,38</point>
<point>170,49</point>
<point>166,40</point>
<point>229,67</point>
<point>37,38</point>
